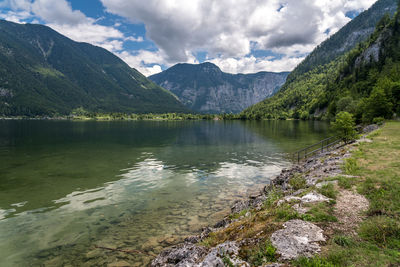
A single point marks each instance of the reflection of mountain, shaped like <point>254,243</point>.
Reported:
<point>290,136</point>
<point>45,161</point>
<point>206,145</point>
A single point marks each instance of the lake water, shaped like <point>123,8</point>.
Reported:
<point>67,188</point>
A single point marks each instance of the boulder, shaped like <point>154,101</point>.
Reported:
<point>228,250</point>
<point>298,238</point>
<point>186,254</point>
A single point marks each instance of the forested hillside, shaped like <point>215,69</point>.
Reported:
<point>354,32</point>
<point>43,73</point>
<point>364,82</point>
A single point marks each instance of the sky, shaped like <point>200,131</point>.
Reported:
<point>240,36</point>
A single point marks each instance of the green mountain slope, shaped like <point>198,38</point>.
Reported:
<point>354,32</point>
<point>205,88</point>
<point>314,94</point>
<point>42,72</point>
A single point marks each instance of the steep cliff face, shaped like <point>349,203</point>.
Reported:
<point>205,88</point>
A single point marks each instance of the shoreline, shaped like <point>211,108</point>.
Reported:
<point>268,222</point>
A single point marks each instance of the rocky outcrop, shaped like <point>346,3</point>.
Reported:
<point>298,238</point>
<point>205,88</point>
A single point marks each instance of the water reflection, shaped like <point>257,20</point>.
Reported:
<point>134,185</point>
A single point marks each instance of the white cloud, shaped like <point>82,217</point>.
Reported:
<point>148,62</point>
<point>60,16</point>
<point>226,30</point>
<point>251,64</point>
<point>15,16</point>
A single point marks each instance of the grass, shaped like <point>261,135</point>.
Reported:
<point>328,190</point>
<point>346,182</point>
<point>378,240</point>
<point>239,214</point>
<point>321,212</point>
<point>377,167</point>
<point>298,182</point>
<point>263,253</point>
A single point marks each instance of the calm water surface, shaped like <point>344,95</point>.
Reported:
<point>67,187</point>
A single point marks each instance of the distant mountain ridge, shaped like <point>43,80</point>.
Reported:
<point>205,88</point>
<point>43,72</point>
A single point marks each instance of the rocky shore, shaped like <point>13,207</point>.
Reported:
<point>292,217</point>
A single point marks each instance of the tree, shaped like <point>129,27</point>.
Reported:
<point>377,105</point>
<point>344,126</point>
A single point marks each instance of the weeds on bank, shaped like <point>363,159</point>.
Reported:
<point>239,214</point>
<point>378,241</point>
<point>298,182</point>
<point>328,190</point>
<point>321,212</point>
<point>262,253</point>
<point>351,167</point>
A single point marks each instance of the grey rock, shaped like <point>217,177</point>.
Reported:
<point>370,128</point>
<point>298,238</point>
<point>312,197</point>
<point>229,250</point>
<point>185,254</point>
<point>205,88</point>
<point>240,205</point>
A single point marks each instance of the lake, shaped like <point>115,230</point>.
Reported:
<point>67,188</point>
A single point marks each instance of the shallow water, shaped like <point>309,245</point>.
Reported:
<point>69,187</point>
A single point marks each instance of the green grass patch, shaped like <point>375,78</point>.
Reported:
<point>379,234</point>
<point>285,212</point>
<point>346,182</point>
<point>259,255</point>
<point>238,215</point>
<point>298,182</point>
<point>343,241</point>
<point>273,196</point>
<point>321,212</point>
<point>328,190</point>
<point>381,230</point>
<point>227,262</point>
<point>313,262</point>
<point>351,166</point>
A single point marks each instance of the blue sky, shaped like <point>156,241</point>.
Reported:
<point>240,36</point>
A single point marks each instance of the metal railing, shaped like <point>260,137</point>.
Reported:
<point>315,148</point>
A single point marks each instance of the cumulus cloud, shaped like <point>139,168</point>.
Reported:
<point>251,64</point>
<point>60,16</point>
<point>149,62</point>
<point>226,30</point>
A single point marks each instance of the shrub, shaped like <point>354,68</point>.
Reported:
<point>344,126</point>
<point>378,120</point>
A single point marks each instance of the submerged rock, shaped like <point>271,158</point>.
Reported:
<point>298,238</point>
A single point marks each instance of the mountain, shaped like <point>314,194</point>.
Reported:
<point>205,88</point>
<point>43,72</point>
<point>354,32</point>
<point>311,90</point>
